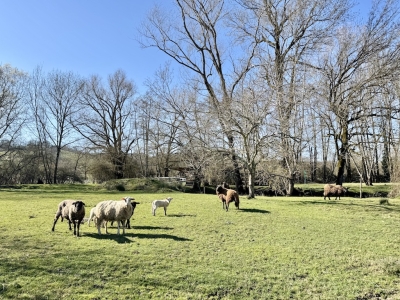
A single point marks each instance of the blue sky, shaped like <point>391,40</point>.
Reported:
<point>83,36</point>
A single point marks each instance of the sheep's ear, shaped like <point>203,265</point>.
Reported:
<point>73,203</point>
<point>83,203</point>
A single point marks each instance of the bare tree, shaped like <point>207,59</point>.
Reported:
<point>145,109</point>
<point>356,66</point>
<point>61,93</point>
<point>38,127</point>
<point>53,100</point>
<point>12,108</point>
<point>252,127</point>
<point>287,34</point>
<point>167,117</point>
<point>12,120</point>
<point>196,39</point>
<point>106,118</point>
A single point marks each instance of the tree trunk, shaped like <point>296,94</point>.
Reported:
<point>252,172</point>
<point>236,169</point>
<point>342,155</point>
<point>290,189</point>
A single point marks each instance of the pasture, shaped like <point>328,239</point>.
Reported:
<point>272,248</point>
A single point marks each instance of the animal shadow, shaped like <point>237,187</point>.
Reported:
<point>255,210</point>
<point>120,239</point>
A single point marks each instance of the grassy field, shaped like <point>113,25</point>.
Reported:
<point>273,248</point>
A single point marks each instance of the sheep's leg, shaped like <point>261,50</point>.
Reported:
<point>128,223</point>
<point>77,228</point>
<point>69,223</point>
<point>55,221</point>
<point>105,225</point>
<point>98,227</point>
<point>165,210</point>
<point>74,222</point>
<point>118,227</point>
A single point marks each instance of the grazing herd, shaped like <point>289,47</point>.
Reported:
<point>121,211</point>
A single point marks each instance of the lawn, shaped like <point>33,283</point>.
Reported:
<point>272,248</point>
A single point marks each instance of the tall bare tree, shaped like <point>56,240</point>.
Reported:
<point>61,93</point>
<point>167,117</point>
<point>12,113</point>
<point>197,39</point>
<point>356,65</point>
<point>12,118</point>
<point>53,101</point>
<point>106,118</point>
<point>38,127</point>
<point>287,33</point>
<point>252,127</point>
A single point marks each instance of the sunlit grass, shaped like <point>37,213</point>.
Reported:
<point>273,248</point>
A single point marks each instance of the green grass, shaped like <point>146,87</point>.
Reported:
<point>273,248</point>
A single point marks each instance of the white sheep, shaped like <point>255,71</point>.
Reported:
<point>160,203</point>
<point>128,222</point>
<point>73,211</point>
<point>92,217</point>
<point>111,210</point>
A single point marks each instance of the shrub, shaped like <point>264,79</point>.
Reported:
<point>120,187</point>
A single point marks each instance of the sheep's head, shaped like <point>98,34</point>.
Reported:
<point>134,203</point>
<point>128,199</point>
<point>78,205</point>
<point>169,199</point>
<point>219,189</point>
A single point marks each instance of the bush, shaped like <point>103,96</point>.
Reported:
<point>120,187</point>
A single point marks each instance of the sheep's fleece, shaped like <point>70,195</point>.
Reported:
<point>334,190</point>
<point>73,211</point>
<point>111,210</point>
<point>160,203</point>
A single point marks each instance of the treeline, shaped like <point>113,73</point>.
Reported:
<point>271,92</point>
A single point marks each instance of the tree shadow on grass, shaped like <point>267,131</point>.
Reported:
<point>161,236</point>
<point>181,215</point>
<point>151,227</point>
<point>387,207</point>
<point>255,210</point>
